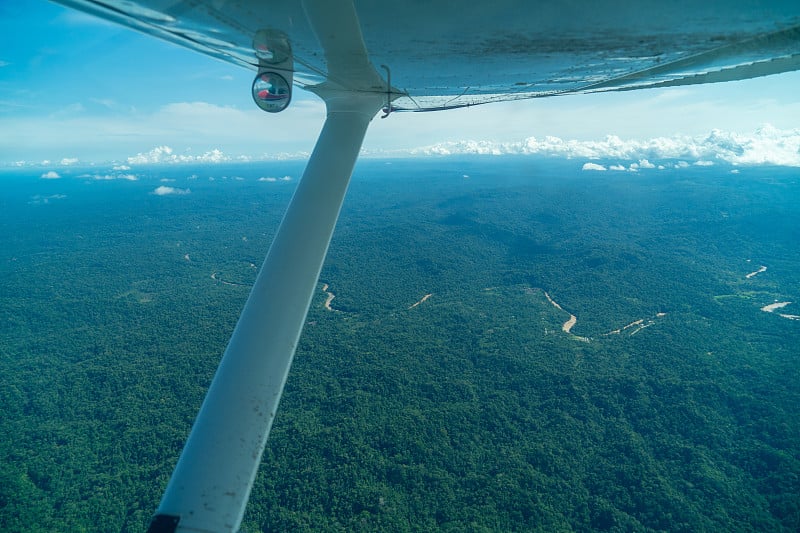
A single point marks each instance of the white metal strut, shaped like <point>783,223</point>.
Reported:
<point>211,484</point>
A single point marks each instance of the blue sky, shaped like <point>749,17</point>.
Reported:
<point>74,87</point>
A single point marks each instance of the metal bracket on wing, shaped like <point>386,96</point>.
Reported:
<point>211,484</point>
<point>350,71</point>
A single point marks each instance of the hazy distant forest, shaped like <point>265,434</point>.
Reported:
<point>471,411</point>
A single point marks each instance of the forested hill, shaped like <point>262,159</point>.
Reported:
<point>496,344</point>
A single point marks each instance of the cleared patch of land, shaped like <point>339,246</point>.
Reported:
<point>761,269</point>
<point>422,300</point>
<point>329,299</point>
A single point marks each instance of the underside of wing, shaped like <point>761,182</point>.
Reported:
<point>442,55</point>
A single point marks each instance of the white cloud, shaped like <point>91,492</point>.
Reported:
<point>766,146</point>
<point>464,147</point>
<point>120,167</point>
<point>158,154</point>
<point>214,156</point>
<point>51,175</point>
<point>286,178</point>
<point>270,179</point>
<point>110,177</point>
<point>635,167</point>
<point>293,156</point>
<point>69,161</point>
<point>592,166</point>
<point>165,154</point>
<point>164,191</point>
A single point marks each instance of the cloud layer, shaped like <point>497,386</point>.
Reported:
<point>765,146</point>
<point>165,154</point>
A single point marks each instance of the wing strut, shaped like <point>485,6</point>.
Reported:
<point>211,483</point>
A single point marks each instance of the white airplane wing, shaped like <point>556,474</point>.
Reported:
<point>443,55</point>
<point>419,55</point>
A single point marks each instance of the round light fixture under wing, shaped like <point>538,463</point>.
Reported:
<point>271,92</point>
